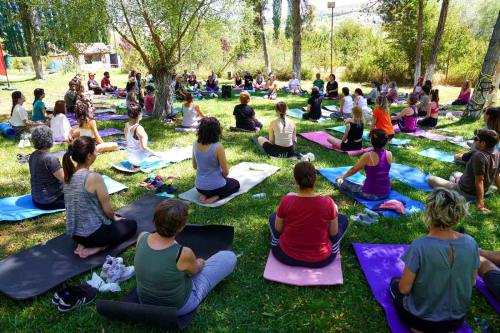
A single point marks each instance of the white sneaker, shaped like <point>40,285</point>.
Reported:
<point>120,273</point>
<point>311,156</point>
<point>109,264</point>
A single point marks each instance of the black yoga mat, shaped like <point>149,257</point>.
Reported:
<point>205,241</point>
<point>34,271</point>
<point>256,141</point>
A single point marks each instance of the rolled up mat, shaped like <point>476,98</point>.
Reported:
<point>8,130</point>
<point>411,206</point>
<point>321,139</point>
<point>247,177</point>
<point>380,263</point>
<point>205,241</point>
<point>36,270</point>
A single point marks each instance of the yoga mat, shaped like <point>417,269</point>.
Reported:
<point>104,116</point>
<point>122,145</point>
<point>302,276</point>
<point>236,129</point>
<point>104,101</point>
<point>256,141</point>
<point>423,134</point>
<point>452,112</point>
<point>380,263</point>
<point>122,107</point>
<point>410,176</point>
<point>174,155</point>
<point>296,113</point>
<point>438,155</point>
<point>22,207</point>
<point>182,129</point>
<point>241,172</point>
<point>105,111</point>
<point>411,206</point>
<point>101,106</point>
<point>36,270</point>
<point>481,286</point>
<point>205,241</point>
<point>110,132</point>
<point>321,138</point>
<point>462,143</point>
<point>331,108</point>
<point>8,130</point>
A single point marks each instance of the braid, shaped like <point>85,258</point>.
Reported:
<point>283,117</point>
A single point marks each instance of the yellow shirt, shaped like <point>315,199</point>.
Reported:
<point>491,98</point>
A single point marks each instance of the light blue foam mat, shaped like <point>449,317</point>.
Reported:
<point>148,166</point>
<point>22,207</point>
<point>410,176</point>
<point>297,113</point>
<point>411,206</point>
<point>438,155</point>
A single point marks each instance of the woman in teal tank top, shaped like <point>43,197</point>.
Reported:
<point>169,274</point>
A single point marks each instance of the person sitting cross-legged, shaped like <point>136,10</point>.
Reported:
<point>434,293</point>
<point>209,161</point>
<point>482,170</point>
<point>377,164</point>
<point>307,229</point>
<point>90,218</point>
<point>294,84</point>
<point>169,274</point>
<point>245,115</point>
<point>353,135</point>
<point>282,134</point>
<point>313,106</point>
<point>408,117</point>
<point>106,83</point>
<point>191,113</point>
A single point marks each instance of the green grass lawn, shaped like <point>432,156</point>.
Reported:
<point>244,301</point>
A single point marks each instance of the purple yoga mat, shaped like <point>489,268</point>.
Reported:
<point>487,293</point>
<point>110,132</point>
<point>320,138</point>
<point>423,134</point>
<point>104,116</point>
<point>183,129</point>
<point>380,263</point>
<point>452,112</point>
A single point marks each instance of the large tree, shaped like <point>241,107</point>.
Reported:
<point>486,75</point>
<point>420,22</point>
<point>296,39</point>
<point>29,16</point>
<point>162,32</point>
<point>437,40</point>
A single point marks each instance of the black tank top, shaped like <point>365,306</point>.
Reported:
<point>356,132</point>
<point>238,82</point>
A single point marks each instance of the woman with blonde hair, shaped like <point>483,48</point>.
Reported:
<point>353,136</point>
<point>434,292</point>
<point>282,134</point>
<point>245,115</point>
<point>382,117</point>
<point>464,96</point>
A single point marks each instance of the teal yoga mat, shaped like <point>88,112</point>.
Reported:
<point>438,155</point>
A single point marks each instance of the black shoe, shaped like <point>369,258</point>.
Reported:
<point>170,189</point>
<point>81,295</point>
<point>61,293</point>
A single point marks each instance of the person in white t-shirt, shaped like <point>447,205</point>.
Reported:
<point>18,116</point>
<point>294,84</point>
<point>60,124</point>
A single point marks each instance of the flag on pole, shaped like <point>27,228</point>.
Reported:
<point>3,68</point>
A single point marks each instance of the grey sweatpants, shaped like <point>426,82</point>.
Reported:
<point>216,268</point>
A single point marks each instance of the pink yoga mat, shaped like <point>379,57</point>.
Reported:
<point>320,138</point>
<point>302,276</point>
<point>380,263</point>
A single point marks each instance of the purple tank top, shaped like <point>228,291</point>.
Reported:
<point>465,98</point>
<point>377,176</point>
<point>411,121</point>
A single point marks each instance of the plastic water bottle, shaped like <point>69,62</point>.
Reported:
<point>258,196</point>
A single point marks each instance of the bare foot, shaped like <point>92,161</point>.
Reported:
<point>79,249</point>
<point>203,199</point>
<point>212,199</point>
<point>90,251</point>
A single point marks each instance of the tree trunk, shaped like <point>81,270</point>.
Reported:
<point>29,26</point>
<point>297,42</point>
<point>164,101</point>
<point>496,78</point>
<point>437,40</point>
<point>486,75</point>
<point>263,35</point>
<point>418,64</point>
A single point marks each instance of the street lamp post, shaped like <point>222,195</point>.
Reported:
<point>332,6</point>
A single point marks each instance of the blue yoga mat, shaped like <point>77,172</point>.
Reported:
<point>411,206</point>
<point>341,129</point>
<point>296,113</point>
<point>22,207</point>
<point>148,167</point>
<point>410,176</point>
<point>8,130</point>
<point>438,155</point>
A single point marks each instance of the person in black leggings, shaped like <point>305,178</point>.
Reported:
<point>245,115</point>
<point>313,229</point>
<point>353,136</point>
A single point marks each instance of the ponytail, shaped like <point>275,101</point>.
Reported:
<point>15,98</point>
<point>435,95</point>
<point>38,92</point>
<point>282,109</point>
<point>78,152</point>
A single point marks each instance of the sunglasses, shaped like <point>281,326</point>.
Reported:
<point>477,139</point>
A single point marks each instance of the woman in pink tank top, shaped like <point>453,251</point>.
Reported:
<point>377,164</point>
<point>431,118</point>
<point>464,96</point>
<point>407,119</point>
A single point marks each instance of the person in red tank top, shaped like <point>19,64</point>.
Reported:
<point>307,229</point>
